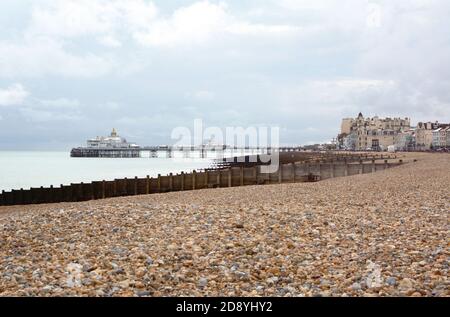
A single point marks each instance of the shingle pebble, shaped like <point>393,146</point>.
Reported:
<point>380,234</point>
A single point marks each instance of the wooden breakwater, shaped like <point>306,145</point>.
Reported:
<point>306,171</point>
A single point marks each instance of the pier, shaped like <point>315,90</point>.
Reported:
<point>114,146</point>
<point>169,151</point>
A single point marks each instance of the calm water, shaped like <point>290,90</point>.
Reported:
<point>34,169</point>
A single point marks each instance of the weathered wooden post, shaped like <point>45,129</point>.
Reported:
<point>51,194</point>
<point>182,180</point>
<point>332,169</point>
<point>345,168</point>
<point>147,185</point>
<point>125,187</point>
<point>2,199</point>
<point>373,166</point>
<point>70,195</point>
<point>159,183</point>
<point>241,176</point>
<point>135,183</point>
<point>361,167</point>
<point>171,182</point>
<point>103,189</point>
<point>81,197</point>
<point>44,195</point>
<point>280,173</point>
<point>219,178</point>
<point>386,164</point>
<point>194,179</point>
<point>62,195</point>
<point>115,188</point>
<point>22,198</point>
<point>293,172</point>
<point>206,179</point>
<point>320,169</point>
<point>230,179</point>
<point>255,174</point>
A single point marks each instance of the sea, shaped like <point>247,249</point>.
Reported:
<point>26,169</point>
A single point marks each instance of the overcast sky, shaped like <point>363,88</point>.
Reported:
<point>70,70</point>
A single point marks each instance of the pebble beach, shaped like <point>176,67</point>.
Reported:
<point>380,234</point>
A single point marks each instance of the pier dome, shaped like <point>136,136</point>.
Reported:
<point>111,141</point>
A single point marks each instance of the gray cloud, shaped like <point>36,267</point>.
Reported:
<point>147,67</point>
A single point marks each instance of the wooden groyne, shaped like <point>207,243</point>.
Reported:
<point>304,171</point>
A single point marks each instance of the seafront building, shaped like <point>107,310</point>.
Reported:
<point>112,146</point>
<point>361,134</point>
<point>424,135</point>
<point>111,141</point>
<point>440,137</point>
<point>380,134</point>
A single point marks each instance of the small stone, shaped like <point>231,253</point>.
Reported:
<point>89,268</point>
<point>172,247</point>
<point>392,281</point>
<point>202,282</point>
<point>406,284</point>
<point>140,272</point>
<point>100,293</point>
<point>124,284</point>
<point>47,288</point>
<point>143,293</point>
<point>272,280</point>
<point>119,271</point>
<point>356,287</point>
